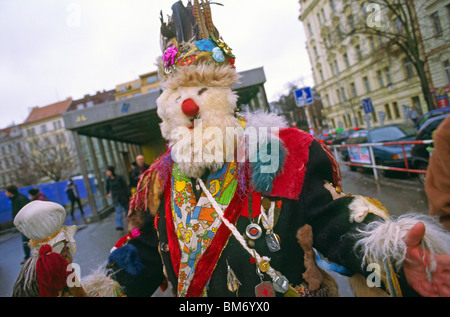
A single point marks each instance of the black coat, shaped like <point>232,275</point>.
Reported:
<point>328,218</point>
<point>17,202</point>
<point>118,188</point>
<point>136,173</point>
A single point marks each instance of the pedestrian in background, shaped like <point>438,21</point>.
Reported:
<point>133,183</point>
<point>74,197</point>
<point>118,190</point>
<point>36,194</point>
<point>138,170</point>
<point>18,200</point>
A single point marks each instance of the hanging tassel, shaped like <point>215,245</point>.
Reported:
<point>51,271</point>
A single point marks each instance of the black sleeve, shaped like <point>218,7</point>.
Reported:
<point>334,234</point>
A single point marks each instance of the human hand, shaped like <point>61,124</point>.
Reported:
<point>417,266</point>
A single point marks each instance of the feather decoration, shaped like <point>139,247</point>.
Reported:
<point>208,18</point>
<point>167,30</point>
<point>183,22</point>
<point>200,19</point>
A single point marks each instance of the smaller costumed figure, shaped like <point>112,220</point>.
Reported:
<point>133,268</point>
<point>46,272</point>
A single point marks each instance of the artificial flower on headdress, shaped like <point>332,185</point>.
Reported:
<point>169,56</point>
<point>205,45</point>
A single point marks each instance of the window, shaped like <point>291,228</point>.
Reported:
<point>387,72</point>
<point>319,18</point>
<point>447,70</point>
<point>333,71</point>
<point>321,75</point>
<point>43,128</point>
<point>333,8</point>
<point>358,52</point>
<point>347,63</point>
<point>396,110</point>
<point>323,14</point>
<point>59,124</point>
<point>350,22</point>
<point>408,67</point>
<point>398,27</point>
<point>339,32</point>
<point>353,89</point>
<point>388,112</point>
<point>315,51</point>
<point>366,84</point>
<point>345,121</point>
<point>360,118</point>
<point>343,94</point>
<point>416,104</point>
<point>151,79</point>
<point>380,78</point>
<point>436,24</point>
<point>137,85</point>
<point>328,100</point>
<point>374,117</point>
<point>364,9</point>
<point>90,104</point>
<point>336,66</point>
<point>310,29</point>
<point>372,43</point>
<point>339,95</point>
<point>79,107</point>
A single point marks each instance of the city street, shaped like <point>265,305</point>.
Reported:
<point>94,241</point>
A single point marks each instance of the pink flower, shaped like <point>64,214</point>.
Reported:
<point>169,56</point>
<point>135,233</point>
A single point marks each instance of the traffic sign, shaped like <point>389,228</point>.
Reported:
<point>304,96</point>
<point>367,105</point>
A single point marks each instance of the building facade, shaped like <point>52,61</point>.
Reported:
<point>435,31</point>
<point>350,67</point>
<point>146,83</point>
<point>11,143</point>
<point>92,100</point>
<point>45,138</point>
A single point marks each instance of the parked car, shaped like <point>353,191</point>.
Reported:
<point>420,153</point>
<point>325,138</point>
<point>341,137</point>
<point>430,114</point>
<point>384,155</point>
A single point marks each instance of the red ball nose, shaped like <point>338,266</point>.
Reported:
<point>190,108</point>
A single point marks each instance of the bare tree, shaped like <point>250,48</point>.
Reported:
<point>43,158</point>
<point>397,22</point>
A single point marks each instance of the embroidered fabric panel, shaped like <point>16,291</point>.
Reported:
<point>196,223</point>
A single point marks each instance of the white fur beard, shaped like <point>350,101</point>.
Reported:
<point>382,241</point>
<point>205,147</point>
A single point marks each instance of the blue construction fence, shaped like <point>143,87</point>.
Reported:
<point>54,191</point>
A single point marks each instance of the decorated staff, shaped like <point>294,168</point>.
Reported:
<point>242,202</point>
<point>47,273</point>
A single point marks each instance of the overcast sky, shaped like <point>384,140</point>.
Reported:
<point>54,49</point>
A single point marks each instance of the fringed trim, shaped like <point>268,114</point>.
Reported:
<point>361,206</point>
<point>382,241</point>
<point>163,166</point>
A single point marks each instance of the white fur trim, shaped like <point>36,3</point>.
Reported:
<point>383,241</point>
<point>97,284</point>
<point>360,207</point>
<point>262,119</point>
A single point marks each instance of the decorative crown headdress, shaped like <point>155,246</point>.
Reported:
<point>190,37</point>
